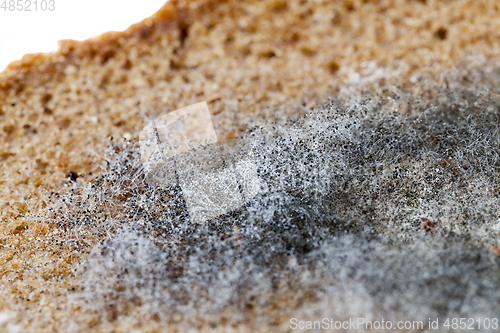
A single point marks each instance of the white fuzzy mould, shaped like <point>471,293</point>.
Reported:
<point>359,213</point>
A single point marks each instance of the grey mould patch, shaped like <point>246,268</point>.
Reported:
<point>361,213</point>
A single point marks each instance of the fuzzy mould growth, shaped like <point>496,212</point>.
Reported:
<point>385,206</point>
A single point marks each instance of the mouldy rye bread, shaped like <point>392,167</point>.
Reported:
<point>253,62</point>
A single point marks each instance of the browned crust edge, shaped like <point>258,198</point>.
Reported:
<point>173,14</point>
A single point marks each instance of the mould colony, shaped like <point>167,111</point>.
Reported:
<point>349,192</point>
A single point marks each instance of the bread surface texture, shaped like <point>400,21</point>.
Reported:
<point>69,130</point>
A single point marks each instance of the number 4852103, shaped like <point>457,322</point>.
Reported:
<point>470,323</point>
<point>28,5</point>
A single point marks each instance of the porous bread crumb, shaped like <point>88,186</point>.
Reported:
<point>252,61</point>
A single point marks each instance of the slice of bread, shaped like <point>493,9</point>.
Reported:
<point>254,62</point>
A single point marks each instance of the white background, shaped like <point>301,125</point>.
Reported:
<point>24,32</point>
